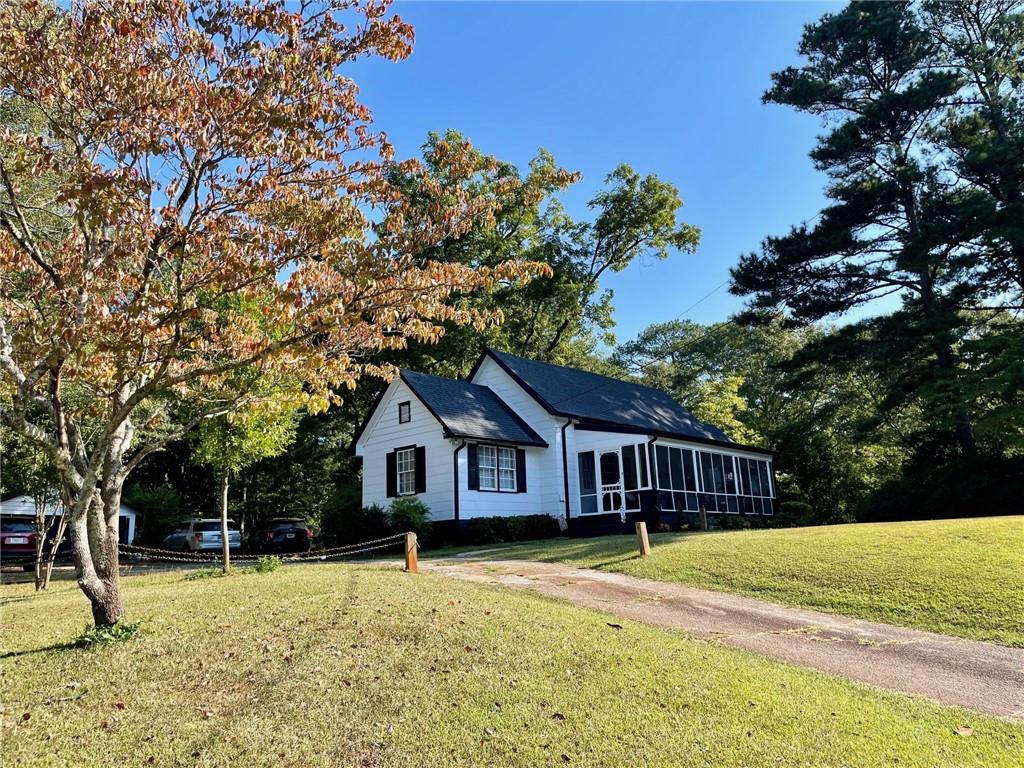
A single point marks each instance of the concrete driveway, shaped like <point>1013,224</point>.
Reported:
<point>980,676</point>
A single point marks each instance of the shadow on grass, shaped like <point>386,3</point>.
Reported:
<point>609,563</point>
<point>71,645</point>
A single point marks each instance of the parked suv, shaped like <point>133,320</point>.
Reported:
<point>202,535</point>
<point>285,534</point>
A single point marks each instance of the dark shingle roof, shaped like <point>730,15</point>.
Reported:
<point>602,399</point>
<point>470,410</point>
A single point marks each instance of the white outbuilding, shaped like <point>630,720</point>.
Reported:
<point>24,506</point>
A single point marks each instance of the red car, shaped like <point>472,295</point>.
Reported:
<point>18,542</point>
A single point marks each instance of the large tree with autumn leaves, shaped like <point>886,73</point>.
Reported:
<point>199,204</point>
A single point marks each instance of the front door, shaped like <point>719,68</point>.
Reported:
<point>611,482</point>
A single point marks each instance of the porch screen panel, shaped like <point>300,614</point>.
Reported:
<point>755,487</point>
<point>630,477</point>
<point>629,473</point>
<point>762,474</point>
<point>692,501</point>
<point>588,483</point>
<point>665,500</point>
<point>678,479</point>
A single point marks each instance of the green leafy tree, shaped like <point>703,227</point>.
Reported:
<point>562,315</point>
<point>231,443</point>
<point>918,211</point>
<point>753,382</point>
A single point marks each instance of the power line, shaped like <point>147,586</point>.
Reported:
<point>704,298</point>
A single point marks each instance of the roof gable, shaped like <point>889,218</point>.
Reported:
<point>604,400</point>
<point>470,410</point>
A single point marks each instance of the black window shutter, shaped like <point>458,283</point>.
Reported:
<point>520,470</point>
<point>392,476</point>
<point>421,469</point>
<point>474,467</point>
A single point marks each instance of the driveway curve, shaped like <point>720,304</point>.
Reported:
<point>980,676</point>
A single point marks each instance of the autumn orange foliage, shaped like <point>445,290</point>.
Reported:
<point>220,210</point>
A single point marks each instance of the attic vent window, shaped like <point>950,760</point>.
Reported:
<point>404,412</point>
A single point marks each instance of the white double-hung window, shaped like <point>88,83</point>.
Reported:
<point>496,468</point>
<point>405,464</point>
<point>507,469</point>
<point>487,459</point>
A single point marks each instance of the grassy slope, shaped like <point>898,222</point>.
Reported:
<point>349,665</point>
<point>959,577</point>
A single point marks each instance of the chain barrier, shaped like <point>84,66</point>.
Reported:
<point>135,553</point>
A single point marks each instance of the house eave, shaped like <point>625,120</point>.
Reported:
<point>492,439</point>
<point>597,426</point>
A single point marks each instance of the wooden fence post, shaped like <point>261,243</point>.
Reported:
<point>641,535</point>
<point>410,553</point>
<point>703,517</point>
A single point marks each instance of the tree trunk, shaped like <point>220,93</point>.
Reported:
<point>962,426</point>
<point>58,538</point>
<point>40,537</point>
<point>94,537</point>
<point>225,544</point>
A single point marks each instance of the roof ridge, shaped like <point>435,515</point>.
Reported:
<point>444,378</point>
<point>606,377</point>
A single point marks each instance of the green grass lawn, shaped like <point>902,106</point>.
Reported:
<point>353,665</point>
<point>959,577</point>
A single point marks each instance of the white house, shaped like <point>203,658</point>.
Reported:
<point>523,437</point>
<point>24,506</point>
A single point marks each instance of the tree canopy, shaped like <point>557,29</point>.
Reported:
<point>207,159</point>
<point>924,155</point>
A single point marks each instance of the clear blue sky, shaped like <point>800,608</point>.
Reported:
<point>671,89</point>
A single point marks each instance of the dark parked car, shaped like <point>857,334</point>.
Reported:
<point>18,542</point>
<point>285,534</point>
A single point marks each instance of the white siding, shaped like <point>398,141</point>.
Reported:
<point>383,434</point>
<point>493,503</point>
<point>543,465</point>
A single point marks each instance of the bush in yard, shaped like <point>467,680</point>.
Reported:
<point>410,514</point>
<point>118,632</point>
<point>201,574</point>
<point>795,513</point>
<point>732,522</point>
<point>496,530</point>
<point>267,564</point>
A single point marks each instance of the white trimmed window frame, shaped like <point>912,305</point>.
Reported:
<point>496,469</point>
<point>487,467</point>
<point>507,470</point>
<point>405,471</point>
